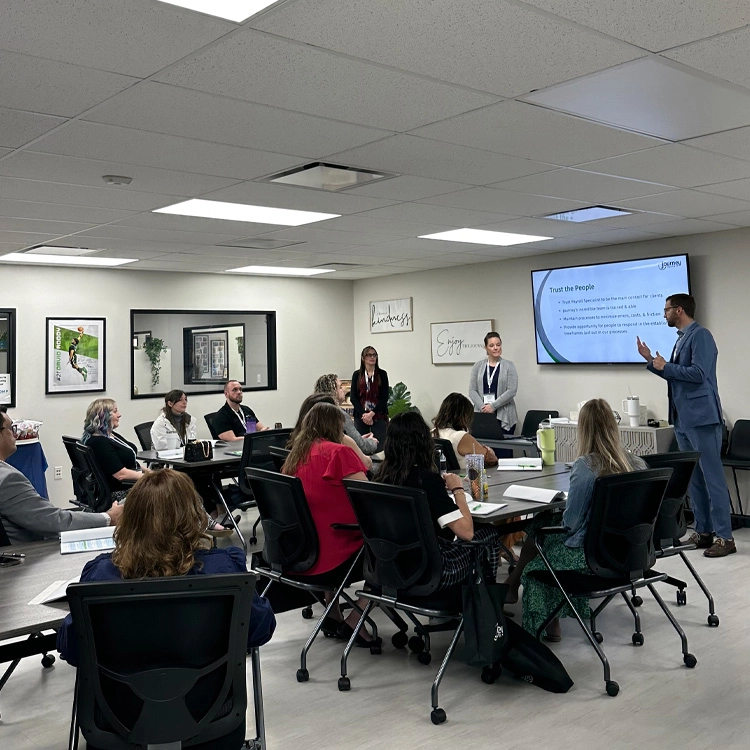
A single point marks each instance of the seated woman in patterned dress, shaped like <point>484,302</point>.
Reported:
<point>600,452</point>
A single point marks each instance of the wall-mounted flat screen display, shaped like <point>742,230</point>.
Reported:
<point>592,314</point>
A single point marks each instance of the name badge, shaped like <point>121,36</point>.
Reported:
<point>488,398</point>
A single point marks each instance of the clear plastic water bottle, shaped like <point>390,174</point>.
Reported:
<point>442,461</point>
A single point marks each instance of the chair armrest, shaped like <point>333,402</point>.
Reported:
<point>345,526</point>
<point>544,530</point>
<point>474,543</point>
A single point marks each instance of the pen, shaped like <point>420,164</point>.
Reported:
<point>19,555</point>
<point>477,506</point>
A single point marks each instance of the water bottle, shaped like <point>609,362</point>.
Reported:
<point>442,462</point>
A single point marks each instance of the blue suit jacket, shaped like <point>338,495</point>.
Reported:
<point>691,380</point>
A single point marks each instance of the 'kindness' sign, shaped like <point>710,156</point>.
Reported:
<point>390,315</point>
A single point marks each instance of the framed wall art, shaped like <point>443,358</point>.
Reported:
<point>459,342</point>
<point>391,315</point>
<point>75,355</point>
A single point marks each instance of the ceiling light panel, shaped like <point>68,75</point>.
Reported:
<point>279,271</point>
<point>232,10</point>
<point>62,260</point>
<point>588,214</point>
<point>484,237</point>
<point>243,212</point>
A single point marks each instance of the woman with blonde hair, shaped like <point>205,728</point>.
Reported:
<point>115,455</point>
<point>600,452</point>
<point>161,534</point>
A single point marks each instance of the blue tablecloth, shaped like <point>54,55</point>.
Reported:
<point>30,460</point>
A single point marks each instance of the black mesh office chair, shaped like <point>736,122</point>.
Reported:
<point>402,568</point>
<point>619,553</point>
<point>738,455</point>
<point>255,454</point>
<point>291,547</point>
<point>450,455</point>
<point>143,431</point>
<point>533,419</point>
<point>162,660</point>
<point>210,424</point>
<point>278,456</point>
<point>672,522</point>
<point>90,484</point>
<point>79,474</point>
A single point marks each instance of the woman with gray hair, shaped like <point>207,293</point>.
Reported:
<point>332,384</point>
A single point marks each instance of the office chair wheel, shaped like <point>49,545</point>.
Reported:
<point>48,660</point>
<point>637,639</point>
<point>307,613</point>
<point>252,540</point>
<point>416,644</point>
<point>376,649</point>
<point>344,684</point>
<point>598,637</point>
<point>438,716</point>
<point>424,657</point>
<point>681,598</point>
<point>636,601</point>
<point>612,688</point>
<point>690,661</point>
<point>302,675</point>
<point>713,621</point>
<point>491,673</point>
<point>399,639</point>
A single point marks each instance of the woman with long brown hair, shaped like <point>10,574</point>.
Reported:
<point>369,396</point>
<point>321,461</point>
<point>161,533</point>
<point>600,452</point>
<point>174,426</point>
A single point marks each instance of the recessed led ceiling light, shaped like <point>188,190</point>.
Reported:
<point>279,271</point>
<point>232,10</point>
<point>242,212</point>
<point>589,214</point>
<point>58,250</point>
<point>483,237</point>
<point>64,260</point>
<point>331,177</point>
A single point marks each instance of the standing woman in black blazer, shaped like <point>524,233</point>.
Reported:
<point>369,396</point>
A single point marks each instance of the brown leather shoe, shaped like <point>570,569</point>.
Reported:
<point>701,541</point>
<point>721,548</point>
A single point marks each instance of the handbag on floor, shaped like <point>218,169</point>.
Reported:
<point>485,628</point>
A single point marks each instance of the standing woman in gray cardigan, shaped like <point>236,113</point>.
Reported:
<point>494,383</point>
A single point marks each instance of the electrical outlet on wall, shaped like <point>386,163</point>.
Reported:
<point>58,472</point>
<point>259,377</point>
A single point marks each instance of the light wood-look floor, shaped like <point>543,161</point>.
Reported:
<point>661,704</point>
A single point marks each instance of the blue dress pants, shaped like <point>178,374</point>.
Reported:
<point>708,489</point>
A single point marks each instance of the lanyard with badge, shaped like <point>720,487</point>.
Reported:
<point>489,377</point>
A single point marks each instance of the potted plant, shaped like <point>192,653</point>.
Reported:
<point>153,347</point>
<point>399,400</point>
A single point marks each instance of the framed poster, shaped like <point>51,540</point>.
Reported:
<point>391,315</point>
<point>75,351</point>
<point>219,368</point>
<point>459,342</point>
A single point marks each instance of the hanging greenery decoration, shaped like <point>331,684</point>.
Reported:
<point>154,347</point>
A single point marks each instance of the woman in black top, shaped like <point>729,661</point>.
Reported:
<point>409,462</point>
<point>115,455</point>
<point>369,396</point>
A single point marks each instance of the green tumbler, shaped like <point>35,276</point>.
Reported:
<point>545,438</point>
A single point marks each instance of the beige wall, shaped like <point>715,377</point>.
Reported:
<point>313,325</point>
<point>501,290</point>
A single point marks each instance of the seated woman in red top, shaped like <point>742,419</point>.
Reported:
<point>320,460</point>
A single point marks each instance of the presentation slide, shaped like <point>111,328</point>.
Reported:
<point>592,314</point>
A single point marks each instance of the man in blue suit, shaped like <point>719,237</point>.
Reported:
<point>695,412</point>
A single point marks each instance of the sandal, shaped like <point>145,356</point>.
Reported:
<point>345,631</point>
<point>216,529</point>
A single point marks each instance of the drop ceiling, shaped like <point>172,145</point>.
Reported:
<point>491,114</point>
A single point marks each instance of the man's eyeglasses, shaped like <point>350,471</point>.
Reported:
<point>672,307</point>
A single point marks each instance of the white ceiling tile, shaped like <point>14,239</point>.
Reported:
<point>503,47</point>
<point>303,199</point>
<point>739,219</point>
<point>504,201</point>
<point>618,236</point>
<point>542,227</point>
<point>37,166</point>
<point>576,184</point>
<point>55,212</point>
<point>522,129</point>
<point>724,56</point>
<point>653,25</point>
<point>194,114</point>
<point>320,234</point>
<point>59,89</point>
<point>81,195</point>
<point>320,83</point>
<point>10,247</point>
<point>688,226</point>
<point>419,248</point>
<point>454,217</point>
<point>652,96</point>
<point>408,188</point>
<point>672,164</point>
<point>18,128</point>
<point>89,140</point>
<point>136,38</point>
<point>734,189</point>
<point>4,151</point>
<point>25,239</point>
<point>40,225</point>
<point>124,248</point>
<point>156,236</point>
<point>407,154</point>
<point>380,227</point>
<point>731,142</point>
<point>416,264</point>
<point>687,203</point>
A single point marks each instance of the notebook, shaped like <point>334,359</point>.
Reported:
<point>484,509</point>
<point>535,494</point>
<point>522,463</point>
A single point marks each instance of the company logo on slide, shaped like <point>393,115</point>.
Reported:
<point>669,264</point>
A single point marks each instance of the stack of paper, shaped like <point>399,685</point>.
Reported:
<point>484,509</point>
<point>535,494</point>
<point>86,540</point>
<point>171,453</point>
<point>519,464</point>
